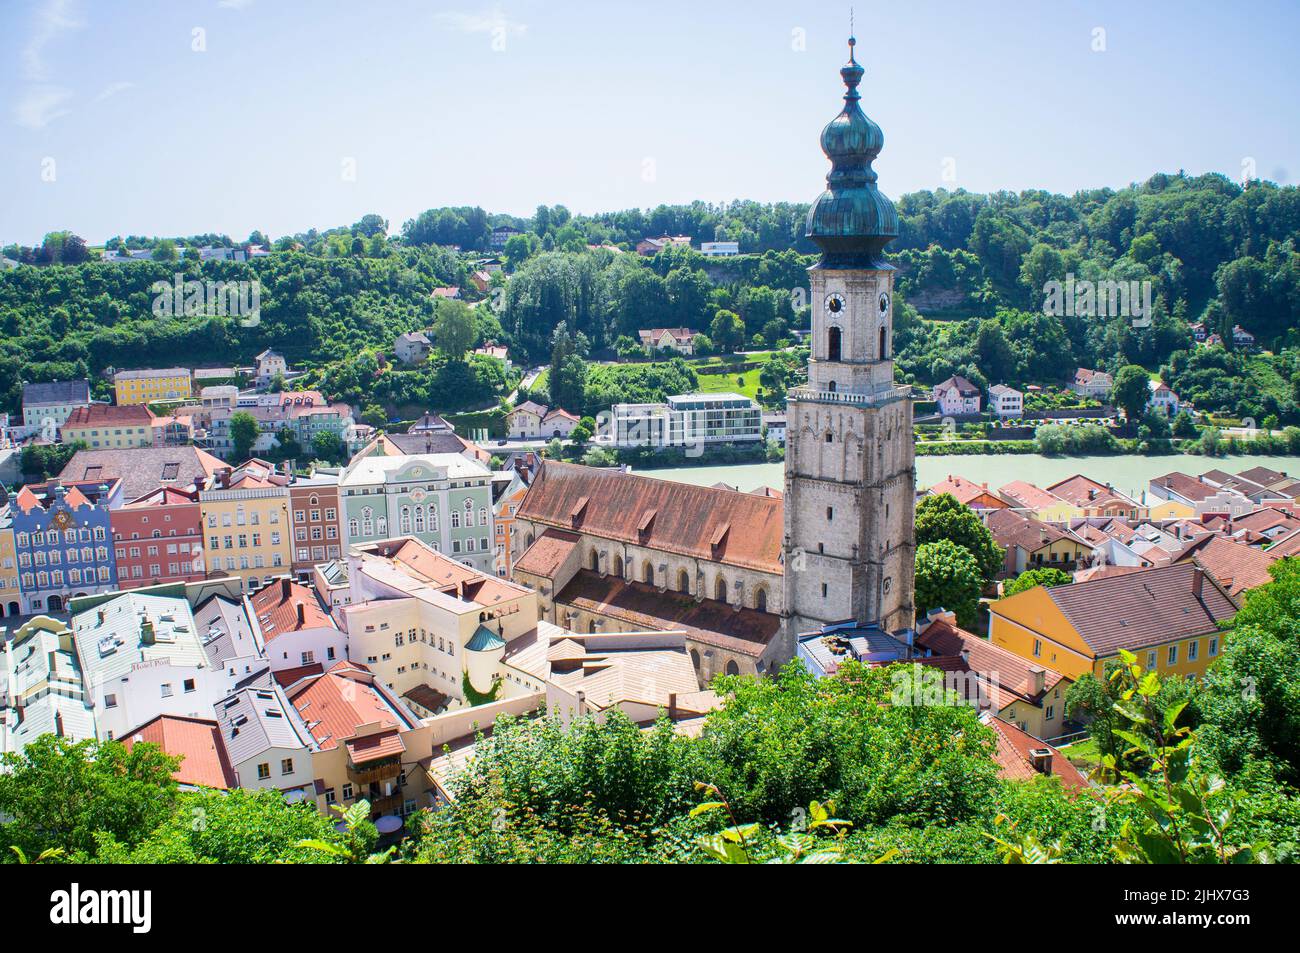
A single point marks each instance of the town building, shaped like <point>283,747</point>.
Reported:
<point>142,657</point>
<point>1022,756</point>
<point>681,340</point>
<point>296,629</point>
<point>142,470</point>
<point>442,499</point>
<point>267,742</point>
<point>61,535</point>
<point>1094,384</point>
<point>148,386</point>
<point>53,401</point>
<point>652,246</point>
<point>1030,543</point>
<point>1037,502</point>
<point>824,650</point>
<point>1162,400</point>
<point>108,426</point>
<point>495,351</point>
<point>198,744</point>
<point>994,679</point>
<point>977,496</point>
<point>41,687</point>
<point>317,525</point>
<point>158,538</point>
<point>688,420</point>
<point>267,365</point>
<point>10,591</point>
<point>246,523</point>
<point>1169,617</point>
<point>1007,402</point>
<point>412,347</point>
<point>1097,499</point>
<point>531,419</point>
<point>502,234</point>
<point>956,397</point>
<point>719,249</point>
<point>367,744</point>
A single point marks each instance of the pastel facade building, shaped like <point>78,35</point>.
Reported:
<point>109,427</point>
<point>246,524</point>
<point>441,499</point>
<point>317,527</point>
<point>50,403</point>
<point>147,386</point>
<point>62,537</point>
<point>158,539</point>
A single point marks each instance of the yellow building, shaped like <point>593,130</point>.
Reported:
<point>246,527</point>
<point>144,387</point>
<point>1171,510</point>
<point>109,427</point>
<point>1168,617</point>
<point>10,603</point>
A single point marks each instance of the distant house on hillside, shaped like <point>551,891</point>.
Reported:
<point>1090,383</point>
<point>531,419</point>
<point>1006,401</point>
<point>681,340</point>
<point>955,396</point>
<point>413,347</point>
<point>652,246</point>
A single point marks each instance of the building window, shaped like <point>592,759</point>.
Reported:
<point>286,766</point>
<point>263,771</point>
<point>1193,650</point>
<point>1038,648</point>
<point>1214,646</point>
<point>1173,655</point>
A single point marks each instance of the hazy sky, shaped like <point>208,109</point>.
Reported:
<point>605,105</point>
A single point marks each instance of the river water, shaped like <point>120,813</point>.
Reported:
<point>1128,474</point>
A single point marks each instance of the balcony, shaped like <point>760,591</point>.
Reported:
<point>887,395</point>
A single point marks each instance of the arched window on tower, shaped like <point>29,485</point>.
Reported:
<point>833,344</point>
<point>884,342</point>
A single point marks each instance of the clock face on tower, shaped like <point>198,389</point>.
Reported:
<point>884,302</point>
<point>835,303</point>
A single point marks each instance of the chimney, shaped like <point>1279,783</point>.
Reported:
<point>965,657</point>
<point>1198,581</point>
<point>286,588</point>
<point>147,632</point>
<point>582,703</point>
<point>1041,759</point>
<point>302,615</point>
<point>672,706</point>
<point>1038,678</point>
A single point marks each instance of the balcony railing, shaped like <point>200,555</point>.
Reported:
<point>886,395</point>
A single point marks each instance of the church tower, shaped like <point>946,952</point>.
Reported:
<point>849,469</point>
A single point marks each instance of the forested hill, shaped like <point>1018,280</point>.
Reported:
<point>1212,249</point>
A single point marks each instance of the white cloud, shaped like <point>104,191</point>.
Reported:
<point>112,89</point>
<point>38,106</point>
<point>53,18</point>
<point>481,22</point>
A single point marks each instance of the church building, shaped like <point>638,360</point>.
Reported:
<point>745,574</point>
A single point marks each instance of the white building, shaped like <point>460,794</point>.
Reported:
<point>267,741</point>
<point>42,691</point>
<point>956,396</point>
<point>1006,402</point>
<point>270,363</point>
<point>296,630</point>
<point>1162,400</point>
<point>719,249</point>
<point>142,657</point>
<point>688,420</point>
<point>1090,383</point>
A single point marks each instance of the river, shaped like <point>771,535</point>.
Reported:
<point>1129,474</point>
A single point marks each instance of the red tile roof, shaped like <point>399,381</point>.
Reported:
<point>1008,678</point>
<point>110,415</point>
<point>287,676</point>
<point>385,744</point>
<point>1236,566</point>
<point>1015,758</point>
<point>335,706</point>
<point>548,553</point>
<point>197,741</point>
<point>285,606</point>
<point>967,491</point>
<point>739,529</point>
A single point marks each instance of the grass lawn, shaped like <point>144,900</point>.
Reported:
<point>1083,754</point>
<point>542,378</point>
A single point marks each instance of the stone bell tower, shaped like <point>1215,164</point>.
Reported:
<point>850,474</point>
